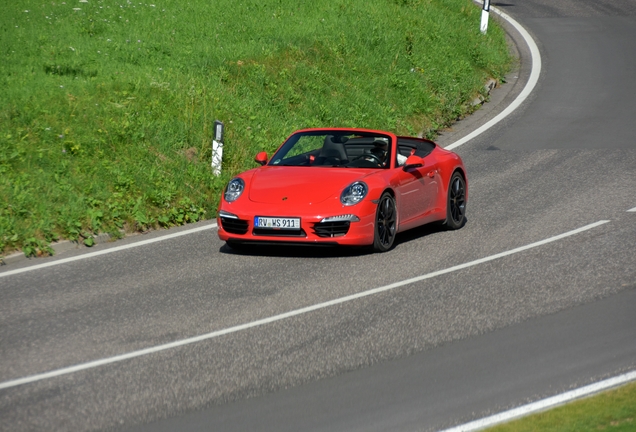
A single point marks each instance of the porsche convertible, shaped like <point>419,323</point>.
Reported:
<point>340,186</point>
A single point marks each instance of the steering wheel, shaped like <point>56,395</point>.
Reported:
<point>371,157</point>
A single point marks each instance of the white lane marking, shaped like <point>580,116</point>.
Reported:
<point>269,320</point>
<point>543,404</point>
<point>110,250</point>
<point>530,85</point>
<point>632,210</point>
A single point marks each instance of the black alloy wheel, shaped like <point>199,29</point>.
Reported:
<point>456,206</point>
<point>385,223</point>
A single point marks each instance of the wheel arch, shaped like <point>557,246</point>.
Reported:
<point>389,190</point>
<point>446,183</point>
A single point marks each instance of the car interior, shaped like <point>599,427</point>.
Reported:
<point>356,152</point>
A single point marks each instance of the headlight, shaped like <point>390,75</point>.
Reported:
<point>354,193</point>
<point>234,189</point>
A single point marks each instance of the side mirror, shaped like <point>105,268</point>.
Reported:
<point>261,158</point>
<point>413,162</point>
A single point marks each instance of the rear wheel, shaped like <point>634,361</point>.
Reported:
<point>456,202</point>
<point>385,223</point>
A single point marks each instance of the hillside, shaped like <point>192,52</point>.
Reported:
<point>107,107</point>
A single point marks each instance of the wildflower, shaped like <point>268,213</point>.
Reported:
<point>76,9</point>
<point>26,11</point>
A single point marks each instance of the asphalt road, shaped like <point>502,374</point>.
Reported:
<point>421,356</point>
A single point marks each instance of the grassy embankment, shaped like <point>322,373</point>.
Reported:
<point>107,107</point>
<point>614,411</point>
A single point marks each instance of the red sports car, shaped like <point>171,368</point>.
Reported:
<point>344,187</point>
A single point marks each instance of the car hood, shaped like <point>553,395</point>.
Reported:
<point>300,185</point>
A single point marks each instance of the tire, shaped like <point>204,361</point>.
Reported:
<point>385,223</point>
<point>456,202</point>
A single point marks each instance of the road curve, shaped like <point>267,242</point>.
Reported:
<point>426,355</point>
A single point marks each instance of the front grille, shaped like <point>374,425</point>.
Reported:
<point>331,229</point>
<point>278,233</point>
<point>234,226</point>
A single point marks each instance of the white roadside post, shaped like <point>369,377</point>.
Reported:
<point>217,147</point>
<point>484,16</point>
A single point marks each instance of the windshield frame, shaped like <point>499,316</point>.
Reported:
<point>341,148</point>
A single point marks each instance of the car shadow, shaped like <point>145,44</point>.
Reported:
<point>296,251</point>
<point>327,251</point>
<point>419,232</point>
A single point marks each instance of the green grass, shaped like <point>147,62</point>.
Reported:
<point>614,411</point>
<point>107,107</point>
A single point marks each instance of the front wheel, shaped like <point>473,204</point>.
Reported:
<point>385,223</point>
<point>456,202</point>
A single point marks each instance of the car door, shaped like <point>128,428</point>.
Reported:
<point>416,188</point>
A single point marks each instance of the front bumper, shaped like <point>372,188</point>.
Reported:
<point>236,223</point>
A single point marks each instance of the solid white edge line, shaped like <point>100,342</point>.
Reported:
<point>544,404</point>
<point>109,250</point>
<point>133,354</point>
<point>530,85</point>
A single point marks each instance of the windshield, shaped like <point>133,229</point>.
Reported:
<point>334,149</point>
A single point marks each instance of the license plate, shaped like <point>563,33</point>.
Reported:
<point>276,222</point>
